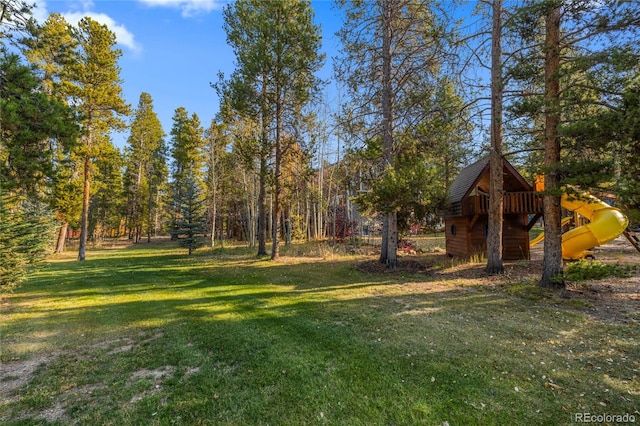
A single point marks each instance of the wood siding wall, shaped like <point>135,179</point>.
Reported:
<point>467,243</point>
<point>456,244</point>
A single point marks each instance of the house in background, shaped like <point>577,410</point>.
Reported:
<point>466,223</point>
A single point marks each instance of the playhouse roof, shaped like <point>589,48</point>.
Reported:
<point>465,180</point>
<point>471,175</point>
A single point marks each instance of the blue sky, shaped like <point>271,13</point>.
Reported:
<point>173,49</point>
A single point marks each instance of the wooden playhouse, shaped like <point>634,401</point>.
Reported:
<point>466,223</point>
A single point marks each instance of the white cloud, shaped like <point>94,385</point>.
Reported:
<point>123,36</point>
<point>189,8</point>
<point>40,13</point>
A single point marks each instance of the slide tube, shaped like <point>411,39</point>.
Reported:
<point>606,224</point>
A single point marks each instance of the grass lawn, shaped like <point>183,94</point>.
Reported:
<point>147,335</point>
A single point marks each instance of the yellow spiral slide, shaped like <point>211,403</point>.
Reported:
<point>606,223</point>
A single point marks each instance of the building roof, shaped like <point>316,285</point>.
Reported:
<point>465,180</point>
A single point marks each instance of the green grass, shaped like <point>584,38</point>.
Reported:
<point>148,335</point>
<point>585,269</point>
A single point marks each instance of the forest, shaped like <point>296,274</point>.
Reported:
<point>553,86</point>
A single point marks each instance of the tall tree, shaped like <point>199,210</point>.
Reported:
<point>391,54</point>
<point>187,143</point>
<point>107,201</point>
<point>32,124</point>
<point>584,54</point>
<point>277,50</point>
<point>494,233</point>
<point>145,166</point>
<point>52,49</point>
<point>96,90</point>
<point>216,140</point>
<point>552,263</point>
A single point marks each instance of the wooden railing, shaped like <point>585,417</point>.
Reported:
<point>525,202</point>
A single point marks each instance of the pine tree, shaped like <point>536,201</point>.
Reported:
<point>496,186</point>
<point>187,143</point>
<point>146,167</point>
<point>391,57</point>
<point>97,91</point>
<point>52,50</point>
<point>577,61</point>
<point>107,204</point>
<point>190,225</point>
<point>31,125</point>
<point>277,50</point>
<point>25,237</point>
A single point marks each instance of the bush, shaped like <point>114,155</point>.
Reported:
<point>25,235</point>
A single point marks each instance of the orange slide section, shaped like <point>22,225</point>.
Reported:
<point>606,224</point>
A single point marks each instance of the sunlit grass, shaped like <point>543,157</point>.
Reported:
<point>148,335</point>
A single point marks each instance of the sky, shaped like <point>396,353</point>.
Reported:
<point>174,49</point>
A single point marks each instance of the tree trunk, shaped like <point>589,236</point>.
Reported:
<point>384,238</point>
<point>392,238</point>
<point>494,234</point>
<point>276,211</point>
<point>84,218</point>
<point>552,273</point>
<point>62,237</point>
<point>262,210</point>
<point>388,249</point>
<point>150,212</point>
<point>288,226</point>
<point>214,187</point>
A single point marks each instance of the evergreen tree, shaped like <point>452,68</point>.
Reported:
<point>15,18</point>
<point>577,61</point>
<point>190,225</point>
<point>107,204</point>
<point>146,167</point>
<point>97,91</point>
<point>391,57</point>
<point>277,48</point>
<point>496,185</point>
<point>31,125</point>
<point>625,124</point>
<point>187,143</point>
<point>25,236</point>
<point>52,50</point>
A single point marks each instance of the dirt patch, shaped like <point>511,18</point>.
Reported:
<point>614,299</point>
<point>16,374</point>
<point>158,376</point>
<point>53,414</point>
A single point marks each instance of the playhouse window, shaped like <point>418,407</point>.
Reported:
<point>453,230</point>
